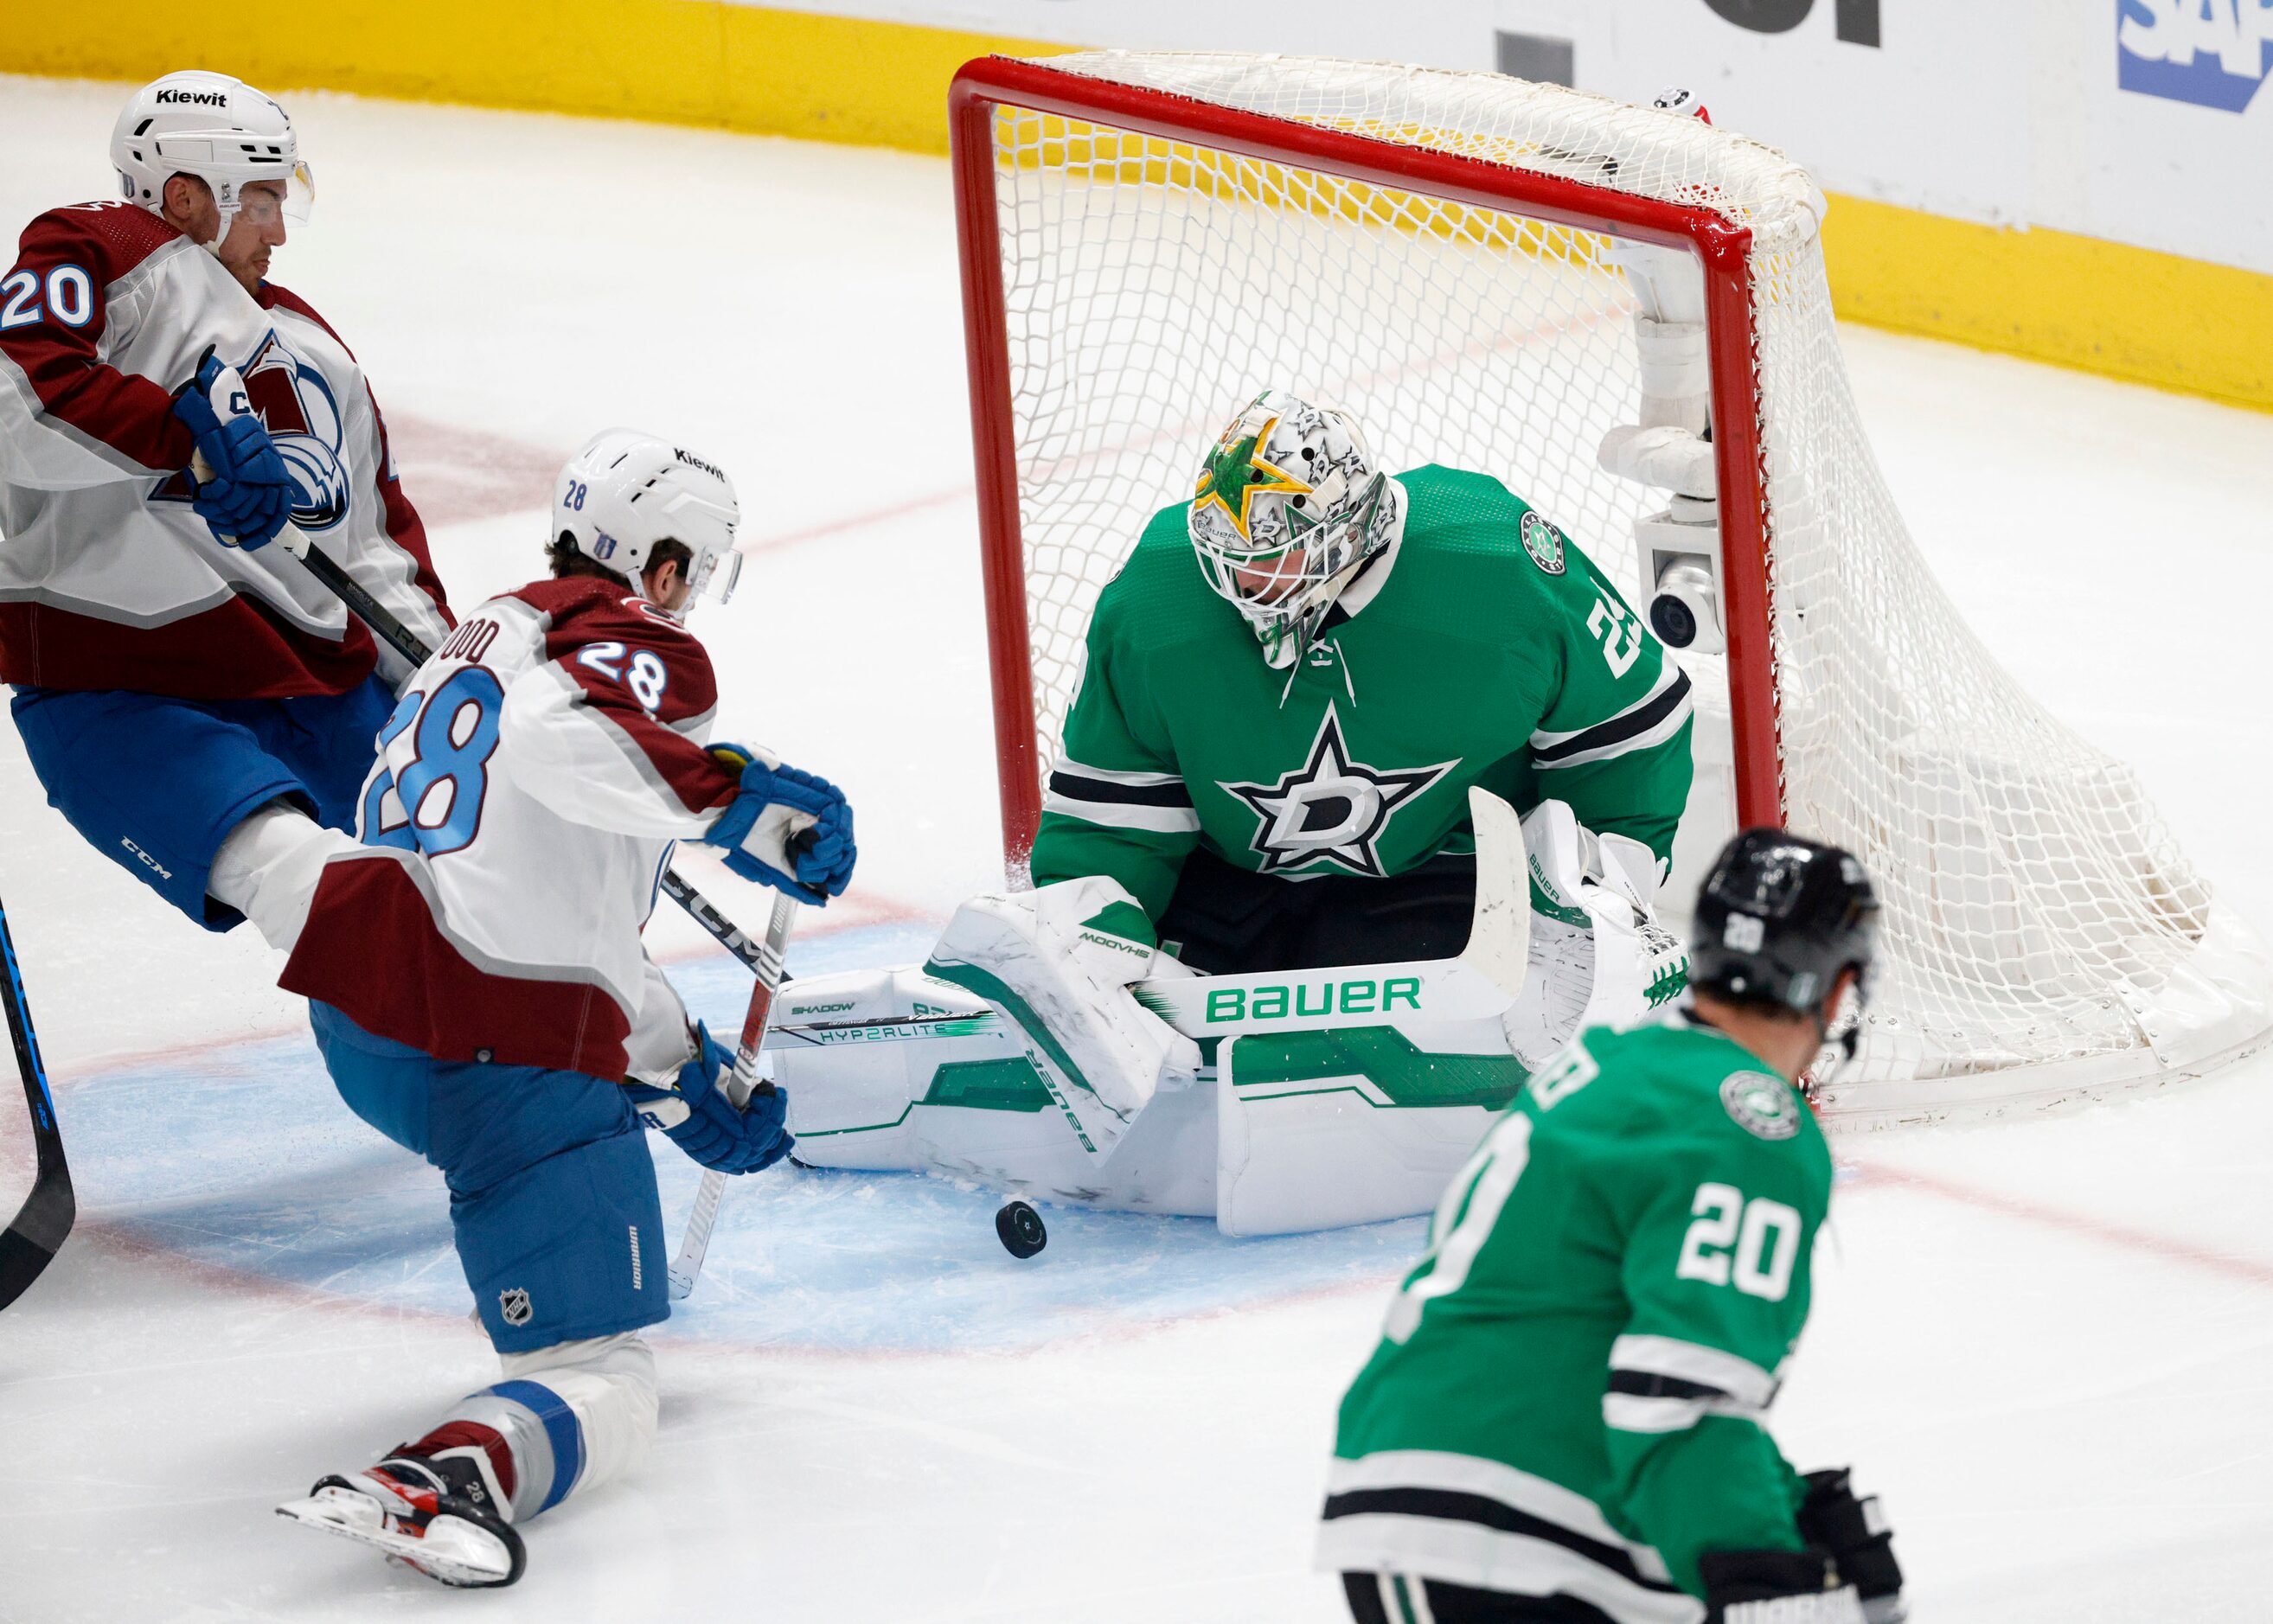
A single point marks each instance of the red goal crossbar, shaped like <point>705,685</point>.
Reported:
<point>1723,249</point>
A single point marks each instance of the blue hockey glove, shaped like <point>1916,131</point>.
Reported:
<point>249,497</point>
<point>700,1120</point>
<point>787,829</point>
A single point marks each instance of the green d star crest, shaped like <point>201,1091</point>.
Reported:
<point>1544,542</point>
<point>1330,809</point>
<point>1762,1105</point>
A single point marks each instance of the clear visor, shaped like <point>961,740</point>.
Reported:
<point>714,574</point>
<point>262,202</point>
<point>259,190</point>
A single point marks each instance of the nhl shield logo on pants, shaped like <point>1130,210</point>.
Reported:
<point>514,1305</point>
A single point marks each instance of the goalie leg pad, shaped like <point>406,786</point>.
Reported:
<point>1325,1128</point>
<point>1066,982</point>
<point>896,1069</point>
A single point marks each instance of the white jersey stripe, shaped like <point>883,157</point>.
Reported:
<point>1739,1378</point>
<point>1472,1474</point>
<point>1458,1552</point>
<point>1125,814</point>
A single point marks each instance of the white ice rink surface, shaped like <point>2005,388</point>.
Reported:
<point>2045,1344</point>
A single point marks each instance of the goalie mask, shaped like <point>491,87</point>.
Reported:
<point>627,491</point>
<point>1288,505</point>
<point>218,129</point>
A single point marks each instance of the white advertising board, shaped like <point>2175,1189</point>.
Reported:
<point>2138,121</point>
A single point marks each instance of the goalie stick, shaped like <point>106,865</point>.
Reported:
<point>686,1268</point>
<point>412,647</point>
<point>39,1227</point>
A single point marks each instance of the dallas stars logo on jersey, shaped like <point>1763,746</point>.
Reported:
<point>1330,809</point>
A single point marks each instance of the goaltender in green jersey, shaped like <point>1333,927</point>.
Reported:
<point>1293,687</point>
<point>1273,742</point>
<point>1564,1418</point>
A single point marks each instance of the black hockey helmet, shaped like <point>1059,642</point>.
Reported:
<point>1780,917</point>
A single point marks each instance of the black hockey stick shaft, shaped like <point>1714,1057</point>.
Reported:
<point>38,1229</point>
<point>407,643</point>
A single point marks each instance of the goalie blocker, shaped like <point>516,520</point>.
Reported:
<point>1036,1050</point>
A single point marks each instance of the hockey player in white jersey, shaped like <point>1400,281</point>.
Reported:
<point>178,680</point>
<point>480,993</point>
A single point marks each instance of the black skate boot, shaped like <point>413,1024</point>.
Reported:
<point>440,1515</point>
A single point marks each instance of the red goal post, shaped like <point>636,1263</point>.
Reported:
<point>1478,268</point>
<point>1723,250</point>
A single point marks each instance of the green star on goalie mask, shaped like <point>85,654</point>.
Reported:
<point>1288,506</point>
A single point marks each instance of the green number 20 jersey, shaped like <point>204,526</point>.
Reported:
<point>1569,1392</point>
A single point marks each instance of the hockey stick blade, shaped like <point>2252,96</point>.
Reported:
<point>37,1231</point>
<point>1499,937</point>
<point>686,1267</point>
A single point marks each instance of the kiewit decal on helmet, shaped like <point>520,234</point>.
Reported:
<point>626,491</point>
<point>217,128</point>
<point>1288,504</point>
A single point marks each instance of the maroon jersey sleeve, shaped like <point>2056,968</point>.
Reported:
<point>53,312</point>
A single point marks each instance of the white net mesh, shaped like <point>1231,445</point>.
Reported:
<point>2043,932</point>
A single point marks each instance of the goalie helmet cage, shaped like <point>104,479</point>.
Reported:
<point>1148,240</point>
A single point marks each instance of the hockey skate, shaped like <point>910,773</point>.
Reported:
<point>435,1516</point>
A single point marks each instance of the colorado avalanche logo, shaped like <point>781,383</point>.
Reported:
<point>303,416</point>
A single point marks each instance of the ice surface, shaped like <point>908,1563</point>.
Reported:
<point>2044,1343</point>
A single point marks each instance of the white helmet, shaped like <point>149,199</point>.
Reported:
<point>218,129</point>
<point>625,491</point>
<point>1289,498</point>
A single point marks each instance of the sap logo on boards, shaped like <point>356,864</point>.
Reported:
<point>2209,52</point>
<point>1347,998</point>
<point>1854,21</point>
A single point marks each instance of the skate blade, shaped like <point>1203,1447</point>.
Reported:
<point>452,1551</point>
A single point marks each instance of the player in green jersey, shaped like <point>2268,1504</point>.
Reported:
<point>1298,675</point>
<point>1563,1420</point>
<point>1295,686</point>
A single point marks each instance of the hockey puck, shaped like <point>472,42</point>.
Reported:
<point>1020,1226</point>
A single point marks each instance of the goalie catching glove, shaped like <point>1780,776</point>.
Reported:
<point>696,1115</point>
<point>787,829</point>
<point>1598,955</point>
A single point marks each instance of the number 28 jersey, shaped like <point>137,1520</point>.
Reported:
<point>1570,1388</point>
<point>528,791</point>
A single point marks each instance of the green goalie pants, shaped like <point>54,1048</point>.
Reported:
<point>1228,921</point>
<point>1398,1599</point>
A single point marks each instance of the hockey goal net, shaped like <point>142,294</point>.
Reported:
<point>1148,240</point>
